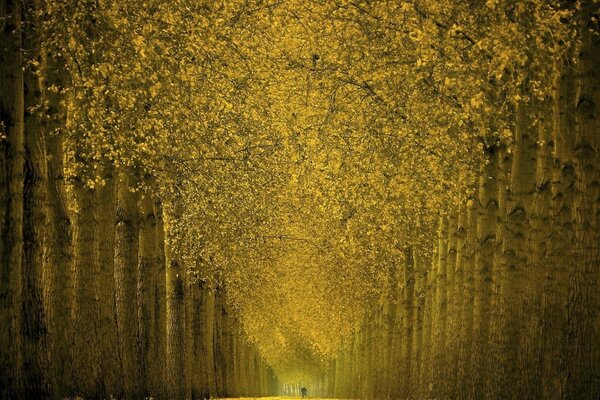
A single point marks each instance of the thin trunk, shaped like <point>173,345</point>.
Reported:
<point>439,322</point>
<point>390,314</point>
<point>111,379</point>
<point>12,142</point>
<point>484,263</point>
<point>208,318</point>
<point>460,297</point>
<point>428,338</point>
<point>175,373</point>
<point>147,277</point>
<point>408,302</point>
<point>126,265</point>
<point>498,273</point>
<point>221,342</point>
<point>469,289</point>
<point>188,339</point>
<point>452,308</point>
<point>199,382</point>
<point>160,304</point>
<point>419,303</point>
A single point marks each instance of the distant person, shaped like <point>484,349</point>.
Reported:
<point>303,391</point>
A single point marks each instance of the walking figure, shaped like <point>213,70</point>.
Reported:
<point>303,391</point>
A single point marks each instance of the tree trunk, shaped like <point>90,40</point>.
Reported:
<point>469,289</point>
<point>498,304</point>
<point>160,304</point>
<point>147,278</point>
<point>539,240</point>
<point>460,300</point>
<point>126,265</point>
<point>556,277</point>
<point>12,142</point>
<point>208,319</point>
<point>453,317</point>
<point>522,186</point>
<point>59,258</point>
<point>439,322</point>
<point>188,339</point>
<point>175,373</point>
<point>33,322</point>
<point>408,302</point>
<point>199,377</point>
<point>419,303</point>
<point>111,379</point>
<point>583,318</point>
<point>484,263</point>
<point>85,349</point>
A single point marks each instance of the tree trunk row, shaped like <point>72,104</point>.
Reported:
<point>509,305</point>
<point>94,301</point>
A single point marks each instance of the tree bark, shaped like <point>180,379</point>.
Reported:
<point>583,317</point>
<point>111,378</point>
<point>147,278</point>
<point>126,265</point>
<point>59,258</point>
<point>440,318</point>
<point>160,303</point>
<point>85,349</point>
<point>518,218</point>
<point>484,264</point>
<point>12,141</point>
<point>175,373</point>
<point>33,322</point>
<point>409,310</point>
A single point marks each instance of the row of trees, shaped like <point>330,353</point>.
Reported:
<point>507,304</point>
<point>202,197</point>
<point>96,297</point>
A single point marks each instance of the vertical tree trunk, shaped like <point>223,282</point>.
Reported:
<point>390,313</point>
<point>111,377</point>
<point>199,376</point>
<point>147,277</point>
<point>484,262</point>
<point>439,327</point>
<point>459,301</point>
<point>556,278</point>
<point>188,340</point>
<point>160,303</point>
<point>126,265</point>
<point>522,186</point>
<point>33,322</point>
<point>85,349</point>
<point>59,258</point>
<point>12,142</point>
<point>428,334</point>
<point>408,302</point>
<point>583,318</point>
<point>220,342</point>
<point>469,289</point>
<point>452,308</point>
<point>208,319</point>
<point>498,303</point>
<point>419,303</point>
<point>539,246</point>
<point>175,373</point>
